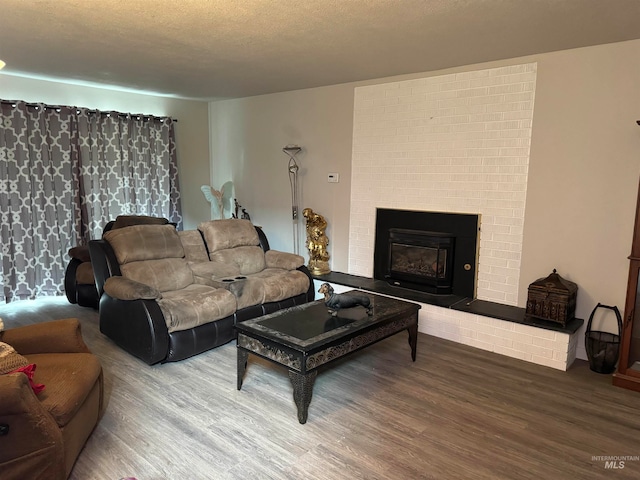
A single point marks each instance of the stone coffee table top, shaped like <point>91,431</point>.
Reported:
<point>310,326</point>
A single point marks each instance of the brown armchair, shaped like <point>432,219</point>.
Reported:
<point>42,435</point>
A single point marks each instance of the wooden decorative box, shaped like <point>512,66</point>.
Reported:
<point>552,298</point>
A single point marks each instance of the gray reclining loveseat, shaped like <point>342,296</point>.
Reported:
<point>167,295</point>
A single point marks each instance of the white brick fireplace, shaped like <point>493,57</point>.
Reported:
<point>454,143</point>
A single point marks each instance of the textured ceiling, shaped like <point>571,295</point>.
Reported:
<point>209,49</point>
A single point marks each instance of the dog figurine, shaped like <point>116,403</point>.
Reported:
<point>337,301</point>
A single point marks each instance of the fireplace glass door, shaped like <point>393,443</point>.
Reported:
<point>421,259</point>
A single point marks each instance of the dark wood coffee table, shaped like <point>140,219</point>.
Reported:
<point>305,337</point>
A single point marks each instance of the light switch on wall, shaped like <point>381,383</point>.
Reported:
<point>333,178</point>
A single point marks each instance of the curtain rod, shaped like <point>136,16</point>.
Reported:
<point>91,111</point>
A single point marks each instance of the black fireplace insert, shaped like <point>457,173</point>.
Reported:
<point>432,252</point>
<point>422,258</point>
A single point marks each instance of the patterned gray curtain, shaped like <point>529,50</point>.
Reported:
<point>127,166</point>
<point>64,173</point>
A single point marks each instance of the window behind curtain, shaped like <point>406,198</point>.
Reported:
<point>64,173</point>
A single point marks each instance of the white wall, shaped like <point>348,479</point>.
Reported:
<point>583,173</point>
<point>192,129</point>
<point>247,139</point>
<point>582,179</point>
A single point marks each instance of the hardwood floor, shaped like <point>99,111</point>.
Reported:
<point>457,412</point>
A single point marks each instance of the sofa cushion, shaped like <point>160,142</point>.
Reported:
<point>280,284</point>
<point>122,221</point>
<point>145,242</point>
<point>246,259</point>
<point>288,261</point>
<point>195,305</point>
<point>163,275</point>
<point>124,288</point>
<point>193,245</point>
<point>151,254</point>
<point>81,252</point>
<point>269,285</point>
<point>69,378</point>
<point>228,233</point>
<point>84,274</point>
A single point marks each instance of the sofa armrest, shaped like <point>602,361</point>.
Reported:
<point>287,261</point>
<point>137,326</point>
<point>31,445</point>
<point>103,262</point>
<point>80,252</point>
<point>57,336</point>
<point>126,289</point>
